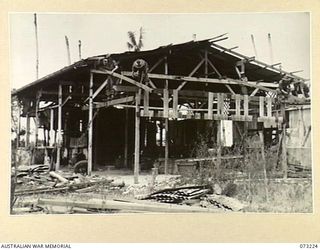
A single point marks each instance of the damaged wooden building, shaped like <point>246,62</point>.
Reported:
<point>99,109</point>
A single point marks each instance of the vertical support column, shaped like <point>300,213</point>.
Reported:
<point>261,106</point>
<point>19,123</point>
<point>284,163</point>
<point>219,145</point>
<point>146,103</point>
<point>126,138</point>
<point>210,105</point>
<point>175,104</point>
<point>36,121</point>
<point>269,107</point>
<point>238,105</point>
<point>51,132</point>
<point>28,131</point>
<point>59,139</point>
<point>166,151</point>
<point>166,101</point>
<point>137,139</point>
<point>90,124</point>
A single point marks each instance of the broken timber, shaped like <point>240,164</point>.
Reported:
<point>124,205</point>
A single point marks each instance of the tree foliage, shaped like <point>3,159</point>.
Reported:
<point>133,43</point>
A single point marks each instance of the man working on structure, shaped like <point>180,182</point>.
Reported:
<point>140,71</point>
<point>111,65</point>
<point>285,85</point>
<point>300,88</point>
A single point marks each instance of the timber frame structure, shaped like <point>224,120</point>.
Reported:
<point>197,80</point>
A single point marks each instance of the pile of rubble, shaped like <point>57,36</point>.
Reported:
<point>84,194</point>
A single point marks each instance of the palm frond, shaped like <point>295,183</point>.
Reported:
<point>129,45</point>
<point>132,38</point>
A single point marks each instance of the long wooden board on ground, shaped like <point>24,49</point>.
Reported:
<point>119,205</point>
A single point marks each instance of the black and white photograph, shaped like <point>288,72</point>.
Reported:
<point>160,113</point>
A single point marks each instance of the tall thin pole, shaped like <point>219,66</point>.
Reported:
<point>37,45</point>
<point>79,49</point>
<point>270,48</point>
<point>59,140</point>
<point>254,46</point>
<point>90,125</point>
<point>166,124</point>
<point>137,139</point>
<point>68,50</point>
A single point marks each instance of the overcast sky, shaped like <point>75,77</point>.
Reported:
<point>107,33</point>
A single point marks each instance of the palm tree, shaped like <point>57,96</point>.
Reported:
<point>133,44</point>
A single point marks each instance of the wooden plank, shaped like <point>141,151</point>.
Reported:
<point>112,102</point>
<point>137,139</point>
<point>214,68</point>
<point>230,89</point>
<point>254,92</point>
<point>175,103</point>
<point>269,106</point>
<point>146,103</point>
<point>59,139</point>
<point>266,86</point>
<point>123,88</point>
<point>124,78</point>
<point>165,103</point>
<point>261,106</point>
<point>90,125</point>
<point>210,105</point>
<point>145,206</point>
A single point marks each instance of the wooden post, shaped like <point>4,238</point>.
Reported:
<point>137,139</point>
<point>175,104</point>
<point>59,139</point>
<point>210,105</point>
<point>166,151</point>
<point>37,119</point>
<point>264,165</point>
<point>238,105</point>
<point>269,107</point>
<point>206,64</point>
<point>284,163</point>
<point>19,123</point>
<point>261,106</point>
<point>166,103</point>
<point>51,132</point>
<point>146,103</point>
<point>126,138</point>
<point>28,131</point>
<point>90,124</point>
<point>218,145</point>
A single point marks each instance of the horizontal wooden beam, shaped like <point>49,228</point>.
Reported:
<point>112,102</point>
<point>261,85</point>
<point>124,78</point>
